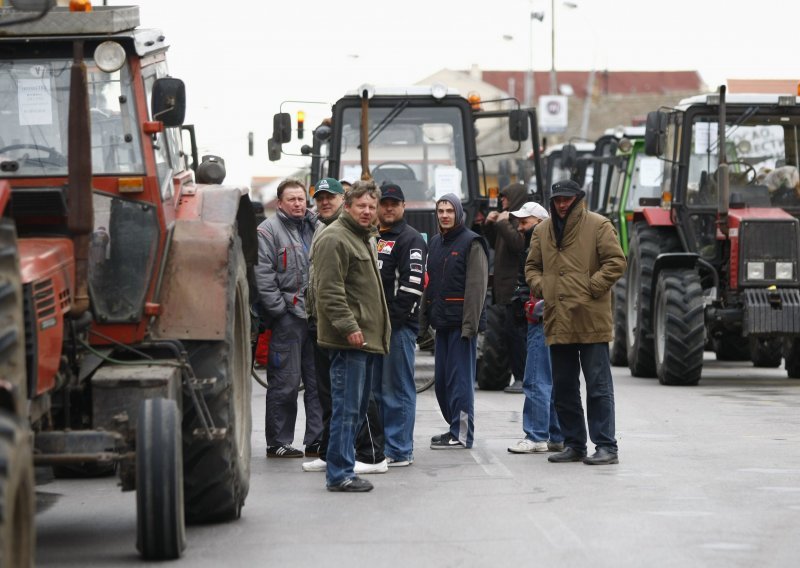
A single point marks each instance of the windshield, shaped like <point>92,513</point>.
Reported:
<point>762,152</point>
<point>34,111</point>
<point>420,149</point>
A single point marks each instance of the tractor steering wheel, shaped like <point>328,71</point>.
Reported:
<point>402,165</point>
<point>745,175</point>
<point>53,157</point>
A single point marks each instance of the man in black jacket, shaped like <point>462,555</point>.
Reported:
<point>402,253</point>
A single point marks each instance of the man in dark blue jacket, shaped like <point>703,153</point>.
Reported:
<point>401,259</point>
<point>453,304</point>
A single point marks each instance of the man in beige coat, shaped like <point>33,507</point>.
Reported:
<point>574,260</point>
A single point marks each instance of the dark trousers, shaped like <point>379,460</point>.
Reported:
<point>369,441</point>
<point>515,333</point>
<point>454,375</point>
<point>567,362</point>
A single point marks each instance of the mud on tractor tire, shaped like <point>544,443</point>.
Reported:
<point>217,472</point>
<point>17,494</point>
<point>646,244</point>
<point>679,327</point>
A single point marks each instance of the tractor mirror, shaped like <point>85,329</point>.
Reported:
<point>273,150</point>
<point>282,128</point>
<point>168,101</point>
<point>518,125</point>
<point>569,156</point>
<point>655,135</point>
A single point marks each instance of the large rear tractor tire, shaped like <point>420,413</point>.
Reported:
<point>217,472</point>
<point>679,326</point>
<point>766,352</point>
<point>12,331</point>
<point>732,347</point>
<point>791,354</point>
<point>160,523</point>
<point>618,348</point>
<point>646,244</point>
<point>17,494</point>
<point>494,372</point>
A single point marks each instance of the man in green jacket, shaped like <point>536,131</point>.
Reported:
<point>573,261</point>
<point>353,323</point>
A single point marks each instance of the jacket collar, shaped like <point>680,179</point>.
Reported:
<point>352,225</point>
<point>395,229</point>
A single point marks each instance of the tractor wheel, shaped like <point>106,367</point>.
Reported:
<point>766,352</point>
<point>493,368</point>
<point>618,349</point>
<point>17,494</point>
<point>216,473</point>
<point>160,523</point>
<point>646,244</point>
<point>679,327</point>
<point>732,347</point>
<point>792,355</point>
<point>12,331</point>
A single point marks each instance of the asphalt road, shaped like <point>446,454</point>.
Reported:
<point>708,476</point>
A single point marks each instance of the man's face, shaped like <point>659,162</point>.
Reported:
<point>563,203</point>
<point>293,202</point>
<point>327,203</point>
<point>390,211</point>
<point>363,209</point>
<point>446,214</point>
<point>527,223</point>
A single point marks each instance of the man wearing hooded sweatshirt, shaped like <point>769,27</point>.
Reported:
<point>508,243</point>
<point>282,276</point>
<point>453,304</point>
<point>573,262</point>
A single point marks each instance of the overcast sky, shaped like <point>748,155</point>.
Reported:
<point>241,58</point>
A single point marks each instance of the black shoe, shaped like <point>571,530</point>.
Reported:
<point>447,442</point>
<point>312,450</point>
<point>352,485</point>
<point>515,388</point>
<point>284,451</point>
<point>601,457</point>
<point>438,437</point>
<point>568,455</point>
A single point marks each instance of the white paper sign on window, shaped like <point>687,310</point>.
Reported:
<point>705,138</point>
<point>35,104</point>
<point>650,172</point>
<point>447,179</point>
<point>351,173</point>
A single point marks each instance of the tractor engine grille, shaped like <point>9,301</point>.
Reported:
<point>770,245</point>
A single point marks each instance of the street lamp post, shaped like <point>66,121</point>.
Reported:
<point>530,91</point>
<point>553,78</point>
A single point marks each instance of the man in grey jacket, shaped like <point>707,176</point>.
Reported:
<point>284,241</point>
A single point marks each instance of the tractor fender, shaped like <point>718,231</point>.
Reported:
<point>196,271</point>
<point>654,216</point>
<point>669,260</point>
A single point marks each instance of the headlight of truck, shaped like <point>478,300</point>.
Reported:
<point>755,271</point>
<point>783,271</point>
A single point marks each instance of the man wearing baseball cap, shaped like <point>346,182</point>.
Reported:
<point>539,419</point>
<point>402,254</point>
<point>574,260</point>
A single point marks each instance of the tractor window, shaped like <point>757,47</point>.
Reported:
<point>121,257</point>
<point>645,180</point>
<point>34,111</point>
<point>421,149</point>
<point>166,145</point>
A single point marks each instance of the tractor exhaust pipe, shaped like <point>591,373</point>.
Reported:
<point>366,92</point>
<point>723,176</point>
<point>80,217</point>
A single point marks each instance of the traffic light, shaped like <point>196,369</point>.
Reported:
<point>301,119</point>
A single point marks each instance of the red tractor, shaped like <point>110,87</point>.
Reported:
<point>124,289</point>
<point>715,265</point>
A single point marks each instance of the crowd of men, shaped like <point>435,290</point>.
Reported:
<point>346,290</point>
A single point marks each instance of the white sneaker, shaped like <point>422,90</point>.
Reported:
<point>527,446</point>
<point>316,465</point>
<point>362,468</point>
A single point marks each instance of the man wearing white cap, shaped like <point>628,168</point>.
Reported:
<point>539,419</point>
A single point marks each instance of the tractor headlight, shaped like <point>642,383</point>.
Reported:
<point>783,271</point>
<point>755,271</point>
<point>109,56</point>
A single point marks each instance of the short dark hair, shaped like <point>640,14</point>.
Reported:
<point>361,188</point>
<point>290,182</point>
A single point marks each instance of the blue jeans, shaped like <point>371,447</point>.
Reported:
<point>396,394</point>
<point>568,361</point>
<point>539,418</point>
<point>352,373</point>
<point>454,382</point>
